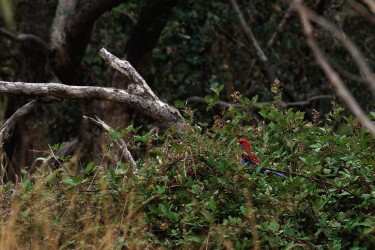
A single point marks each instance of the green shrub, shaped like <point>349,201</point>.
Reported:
<point>191,191</point>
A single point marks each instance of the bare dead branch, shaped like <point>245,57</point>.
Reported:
<point>346,73</point>
<point>282,104</point>
<point>25,37</point>
<point>356,54</point>
<point>249,34</point>
<point>371,5</point>
<point>222,104</point>
<point>8,125</point>
<point>362,11</point>
<point>5,134</point>
<point>120,143</point>
<point>155,109</point>
<point>281,26</point>
<point>137,83</point>
<point>334,78</point>
<point>139,95</point>
<point>307,101</point>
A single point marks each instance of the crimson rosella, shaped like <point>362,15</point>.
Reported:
<point>249,158</point>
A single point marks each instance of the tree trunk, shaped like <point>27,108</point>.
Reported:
<point>32,16</point>
<point>151,22</point>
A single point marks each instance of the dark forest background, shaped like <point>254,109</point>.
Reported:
<point>60,173</point>
<point>181,48</point>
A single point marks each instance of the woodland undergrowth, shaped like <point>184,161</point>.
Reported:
<point>190,190</point>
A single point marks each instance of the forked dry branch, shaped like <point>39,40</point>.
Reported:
<point>138,95</point>
<point>125,153</point>
<point>6,130</point>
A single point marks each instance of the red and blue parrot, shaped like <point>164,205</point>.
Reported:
<point>249,158</point>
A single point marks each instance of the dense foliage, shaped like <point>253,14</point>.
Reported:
<point>190,191</point>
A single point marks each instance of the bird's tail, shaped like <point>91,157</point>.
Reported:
<point>263,170</point>
<point>280,174</point>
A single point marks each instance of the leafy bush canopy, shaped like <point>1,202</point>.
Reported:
<point>190,190</point>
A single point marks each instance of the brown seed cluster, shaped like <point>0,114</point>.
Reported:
<point>236,96</point>
<point>315,116</point>
<point>334,105</point>
<point>219,121</point>
<point>356,127</point>
<point>276,87</point>
<point>300,148</point>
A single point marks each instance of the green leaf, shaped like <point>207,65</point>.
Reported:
<point>327,171</point>
<point>207,215</point>
<point>212,204</point>
<point>244,210</point>
<point>115,134</point>
<point>319,203</point>
<point>266,137</point>
<point>172,216</point>
<point>56,146</point>
<point>195,189</point>
<point>89,167</point>
<point>207,98</point>
<point>195,239</point>
<point>274,226</point>
<point>28,186</point>
<point>163,209</point>
<point>367,223</point>
<point>211,101</point>
<point>145,138</point>
<point>51,177</point>
<point>217,89</point>
<point>223,165</point>
<point>153,209</point>
<point>179,104</point>
<point>309,160</point>
<point>316,146</point>
<point>73,180</point>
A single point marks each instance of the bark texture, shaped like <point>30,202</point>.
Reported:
<point>144,37</point>
<point>138,95</point>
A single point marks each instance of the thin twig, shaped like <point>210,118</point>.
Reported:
<point>362,11</point>
<point>25,37</point>
<point>305,243</point>
<point>249,34</point>
<point>356,54</point>
<point>345,73</point>
<point>8,125</point>
<point>302,242</point>
<point>280,104</point>
<point>6,132</point>
<point>281,26</point>
<point>120,142</point>
<point>332,75</point>
<point>322,182</point>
